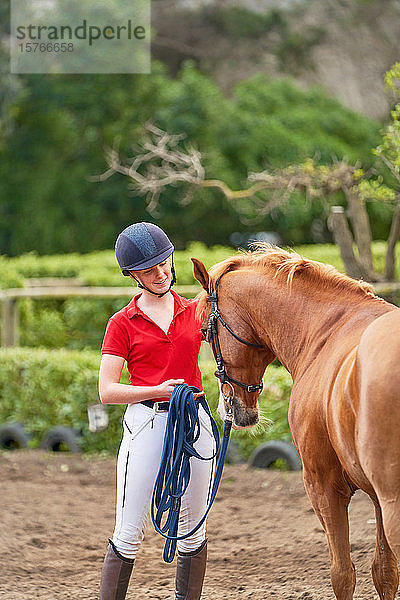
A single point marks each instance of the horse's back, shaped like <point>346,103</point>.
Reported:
<point>379,349</point>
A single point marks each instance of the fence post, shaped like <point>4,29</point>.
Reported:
<point>9,322</point>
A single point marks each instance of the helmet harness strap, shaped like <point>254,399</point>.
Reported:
<point>143,287</point>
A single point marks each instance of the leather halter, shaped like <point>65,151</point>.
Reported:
<point>212,337</point>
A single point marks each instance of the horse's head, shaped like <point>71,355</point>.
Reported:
<point>241,355</point>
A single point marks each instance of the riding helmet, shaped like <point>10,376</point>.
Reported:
<point>142,246</point>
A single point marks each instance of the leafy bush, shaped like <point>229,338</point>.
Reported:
<point>278,127</point>
<point>330,254</point>
<point>79,323</point>
<point>100,268</point>
<point>43,389</point>
<point>35,387</point>
<point>10,277</point>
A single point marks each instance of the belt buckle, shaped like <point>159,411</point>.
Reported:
<point>157,409</point>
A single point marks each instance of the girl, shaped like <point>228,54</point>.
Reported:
<point>158,336</point>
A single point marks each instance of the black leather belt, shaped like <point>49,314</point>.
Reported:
<point>158,406</point>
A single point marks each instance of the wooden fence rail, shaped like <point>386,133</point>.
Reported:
<point>9,301</point>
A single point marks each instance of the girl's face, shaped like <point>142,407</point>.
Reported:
<point>157,278</point>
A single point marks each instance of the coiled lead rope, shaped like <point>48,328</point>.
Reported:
<point>181,433</point>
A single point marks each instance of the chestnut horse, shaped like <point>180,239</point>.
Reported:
<point>341,345</point>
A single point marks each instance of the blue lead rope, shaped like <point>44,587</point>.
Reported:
<point>181,433</point>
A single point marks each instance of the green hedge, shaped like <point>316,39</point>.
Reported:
<point>101,268</point>
<point>10,276</point>
<point>43,389</point>
<point>79,323</point>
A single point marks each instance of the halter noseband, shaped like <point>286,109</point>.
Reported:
<point>212,335</point>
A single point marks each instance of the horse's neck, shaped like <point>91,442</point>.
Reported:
<point>287,324</point>
<point>297,325</point>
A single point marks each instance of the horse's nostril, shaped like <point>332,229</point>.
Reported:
<point>244,416</point>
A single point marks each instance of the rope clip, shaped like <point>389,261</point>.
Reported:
<point>229,408</point>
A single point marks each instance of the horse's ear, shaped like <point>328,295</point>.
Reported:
<point>200,273</point>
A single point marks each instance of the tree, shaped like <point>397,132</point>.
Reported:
<point>388,152</point>
<point>59,125</point>
<point>163,161</point>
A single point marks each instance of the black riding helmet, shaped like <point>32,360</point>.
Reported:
<point>142,246</point>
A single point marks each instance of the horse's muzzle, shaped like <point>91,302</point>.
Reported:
<point>243,416</point>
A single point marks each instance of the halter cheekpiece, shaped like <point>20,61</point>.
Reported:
<point>212,336</point>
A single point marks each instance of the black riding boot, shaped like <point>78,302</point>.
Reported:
<point>190,570</point>
<point>115,574</point>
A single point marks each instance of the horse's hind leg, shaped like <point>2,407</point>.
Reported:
<point>384,566</point>
<point>330,496</point>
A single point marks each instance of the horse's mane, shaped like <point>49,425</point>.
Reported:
<point>278,262</point>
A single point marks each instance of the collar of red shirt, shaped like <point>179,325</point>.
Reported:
<point>180,305</point>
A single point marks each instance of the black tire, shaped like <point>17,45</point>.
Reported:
<point>266,454</point>
<point>61,439</point>
<point>13,436</point>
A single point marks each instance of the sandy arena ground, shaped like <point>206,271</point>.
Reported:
<point>265,542</point>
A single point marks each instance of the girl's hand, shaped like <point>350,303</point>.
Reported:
<point>167,387</point>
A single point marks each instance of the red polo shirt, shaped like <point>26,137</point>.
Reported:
<point>152,355</point>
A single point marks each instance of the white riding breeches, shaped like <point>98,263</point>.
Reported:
<point>138,463</point>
